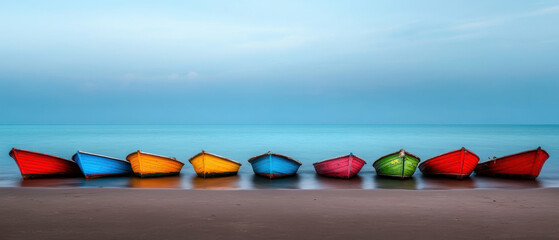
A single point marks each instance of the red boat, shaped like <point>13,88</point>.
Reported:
<point>526,165</point>
<point>457,164</point>
<point>39,165</point>
<point>340,167</point>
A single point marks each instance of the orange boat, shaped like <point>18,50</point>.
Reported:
<point>206,164</point>
<point>152,165</point>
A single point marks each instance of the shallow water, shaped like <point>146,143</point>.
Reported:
<point>306,143</point>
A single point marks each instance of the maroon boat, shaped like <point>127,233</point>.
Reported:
<point>526,165</point>
<point>340,167</point>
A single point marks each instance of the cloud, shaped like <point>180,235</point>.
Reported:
<point>191,75</point>
<point>476,25</point>
<point>129,76</point>
<point>173,77</point>
<point>460,37</point>
<point>88,86</point>
<point>547,10</point>
<point>498,21</point>
<point>281,43</point>
<point>179,77</point>
<point>392,28</point>
<point>219,36</point>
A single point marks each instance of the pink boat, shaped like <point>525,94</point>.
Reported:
<point>340,167</point>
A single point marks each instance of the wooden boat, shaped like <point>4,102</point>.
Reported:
<point>39,165</point>
<point>457,164</point>
<point>273,165</point>
<point>95,166</point>
<point>340,167</point>
<point>206,165</point>
<point>526,165</point>
<point>400,164</point>
<point>151,165</point>
<point>158,182</point>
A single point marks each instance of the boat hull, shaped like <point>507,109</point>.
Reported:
<point>150,165</point>
<point>96,166</point>
<point>341,167</point>
<point>458,164</point>
<point>396,165</point>
<point>523,165</point>
<point>38,165</point>
<point>209,165</point>
<point>274,166</point>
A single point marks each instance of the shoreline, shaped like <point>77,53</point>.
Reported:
<point>275,189</point>
<point>303,180</point>
<point>99,213</point>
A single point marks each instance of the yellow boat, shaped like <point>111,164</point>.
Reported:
<point>151,165</point>
<point>210,165</point>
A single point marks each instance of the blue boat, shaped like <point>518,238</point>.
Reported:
<point>273,165</point>
<point>95,166</point>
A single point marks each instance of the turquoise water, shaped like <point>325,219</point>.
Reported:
<point>306,143</point>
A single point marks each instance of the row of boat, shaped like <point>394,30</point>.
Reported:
<point>456,164</point>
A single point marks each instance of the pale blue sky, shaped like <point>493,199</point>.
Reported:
<point>279,62</point>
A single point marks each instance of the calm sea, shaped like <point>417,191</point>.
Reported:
<point>306,143</point>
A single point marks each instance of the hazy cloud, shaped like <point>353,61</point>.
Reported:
<point>477,25</point>
<point>131,77</point>
<point>286,56</point>
<point>498,21</point>
<point>282,43</point>
<point>174,76</point>
<point>191,75</point>
<point>547,10</point>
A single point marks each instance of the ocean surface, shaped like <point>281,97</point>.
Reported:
<point>306,143</point>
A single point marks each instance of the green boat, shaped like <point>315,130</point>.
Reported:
<point>400,164</point>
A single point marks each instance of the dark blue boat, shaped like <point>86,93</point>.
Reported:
<point>273,165</point>
<point>94,165</point>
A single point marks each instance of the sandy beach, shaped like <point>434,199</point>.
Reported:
<point>99,213</point>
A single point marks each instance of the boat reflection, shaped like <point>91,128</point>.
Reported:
<point>322,182</point>
<point>231,182</point>
<point>446,183</point>
<point>287,183</point>
<point>156,182</point>
<point>493,182</point>
<point>395,183</point>
<point>52,182</point>
<point>304,180</point>
<point>115,182</point>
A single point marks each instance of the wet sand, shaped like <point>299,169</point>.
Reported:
<point>99,213</point>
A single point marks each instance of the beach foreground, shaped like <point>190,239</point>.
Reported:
<point>98,213</point>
